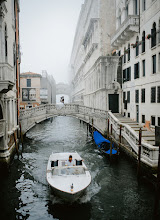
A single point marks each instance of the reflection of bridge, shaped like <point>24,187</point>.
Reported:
<point>100,120</point>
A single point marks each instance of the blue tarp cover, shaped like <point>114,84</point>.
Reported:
<point>98,138</point>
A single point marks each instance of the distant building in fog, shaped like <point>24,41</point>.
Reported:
<point>36,89</point>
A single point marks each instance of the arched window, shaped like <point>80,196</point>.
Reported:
<point>128,52</point>
<point>153,33</point>
<point>143,42</point>
<point>6,43</point>
<point>137,46</point>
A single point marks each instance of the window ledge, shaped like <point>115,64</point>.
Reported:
<point>137,56</point>
<point>143,53</point>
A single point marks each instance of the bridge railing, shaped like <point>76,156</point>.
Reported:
<point>149,153</point>
<point>129,136</point>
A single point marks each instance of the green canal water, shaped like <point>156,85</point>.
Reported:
<point>114,192</point>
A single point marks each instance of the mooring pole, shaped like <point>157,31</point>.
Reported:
<point>21,135</point>
<point>120,134</point>
<point>92,126</point>
<point>139,154</point>
<point>156,205</point>
<point>111,129</point>
<point>108,129</point>
<point>87,129</point>
<point>15,141</point>
<point>110,147</point>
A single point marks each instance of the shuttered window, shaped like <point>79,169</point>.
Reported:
<point>153,34</point>
<point>143,118</point>
<point>153,120</point>
<point>158,94</point>
<point>154,64</point>
<point>136,70</point>
<point>143,42</point>
<point>128,73</point>
<point>143,67</point>
<point>143,95</point>
<point>153,94</point>
<point>128,96</point>
<point>136,96</point>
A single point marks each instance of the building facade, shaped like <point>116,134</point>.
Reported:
<point>93,70</point>
<point>137,41</point>
<point>36,89</point>
<point>48,89</point>
<point>9,77</point>
<point>30,84</point>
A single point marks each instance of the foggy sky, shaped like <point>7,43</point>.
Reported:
<point>47,29</point>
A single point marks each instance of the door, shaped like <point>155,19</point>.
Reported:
<point>114,103</point>
<point>137,113</point>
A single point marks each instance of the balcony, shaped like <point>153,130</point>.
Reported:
<point>6,77</point>
<point>125,31</point>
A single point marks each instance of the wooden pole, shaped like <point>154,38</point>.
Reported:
<point>21,134</point>
<point>120,134</point>
<point>111,147</point>
<point>87,129</point>
<point>139,154</point>
<point>111,129</point>
<point>92,126</point>
<point>108,129</point>
<point>156,205</point>
<point>15,141</point>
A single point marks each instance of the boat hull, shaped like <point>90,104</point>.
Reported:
<point>69,197</point>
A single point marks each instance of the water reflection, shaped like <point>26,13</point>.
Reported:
<point>114,192</point>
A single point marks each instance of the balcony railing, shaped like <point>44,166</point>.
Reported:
<point>126,29</point>
<point>6,77</point>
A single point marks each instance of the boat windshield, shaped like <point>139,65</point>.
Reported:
<point>69,171</point>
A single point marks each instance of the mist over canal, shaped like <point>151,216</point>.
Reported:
<point>113,194</point>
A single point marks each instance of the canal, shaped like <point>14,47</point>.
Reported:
<point>113,194</point>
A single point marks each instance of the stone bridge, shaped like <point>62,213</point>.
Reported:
<point>100,120</point>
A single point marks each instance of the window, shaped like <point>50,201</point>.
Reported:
<point>119,53</point>
<point>153,120</point>
<point>6,43</point>
<point>136,70</point>
<point>124,76</point>
<point>154,64</point>
<point>126,11</point>
<point>153,94</point>
<point>143,118</point>
<point>143,95</point>
<point>128,115</point>
<point>28,82</point>
<point>128,73</point>
<point>124,96</point>
<point>136,96</point>
<point>124,55</point>
<point>136,7</point>
<point>158,94</point>
<point>143,42</point>
<point>153,34</point>
<point>128,97</point>
<point>158,121</point>
<point>143,67</point>
<point>137,46</point>
<point>143,5</point>
<point>129,52</point>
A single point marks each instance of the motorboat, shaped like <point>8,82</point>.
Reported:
<point>104,145</point>
<point>68,182</point>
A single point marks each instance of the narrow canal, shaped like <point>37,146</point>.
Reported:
<point>113,194</point>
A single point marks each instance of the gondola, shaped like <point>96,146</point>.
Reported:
<point>104,144</point>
